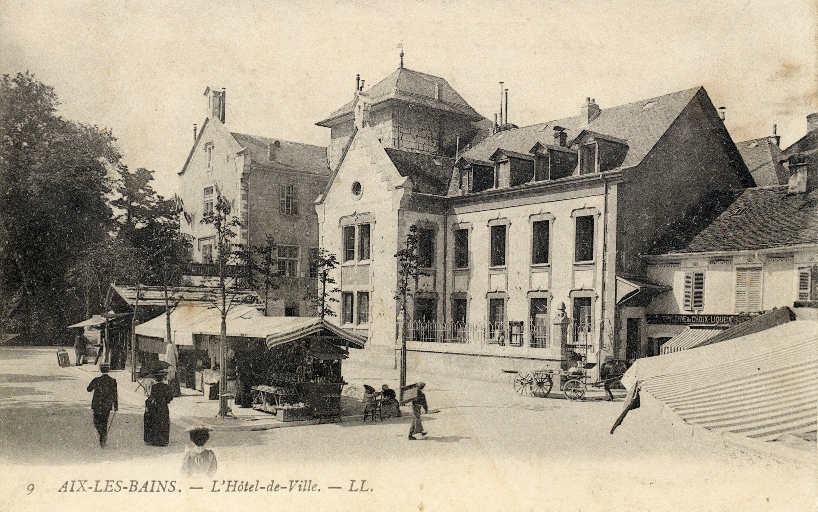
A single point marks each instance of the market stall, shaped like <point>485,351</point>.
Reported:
<point>287,366</point>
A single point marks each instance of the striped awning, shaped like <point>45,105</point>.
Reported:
<point>760,386</point>
<point>689,338</point>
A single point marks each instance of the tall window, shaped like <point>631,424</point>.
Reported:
<point>583,321</point>
<point>694,291</point>
<point>288,260</point>
<point>349,243</point>
<point>805,283</point>
<point>288,200</point>
<point>587,159</point>
<point>497,318</point>
<point>363,307</point>
<point>461,248</point>
<point>584,240</point>
<point>426,248</point>
<point>209,151</point>
<point>363,242</point>
<point>748,289</point>
<point>539,322</point>
<point>459,306</point>
<point>498,246</point>
<point>425,309</point>
<point>539,249</point>
<point>347,307</point>
<point>207,253</point>
<point>208,200</point>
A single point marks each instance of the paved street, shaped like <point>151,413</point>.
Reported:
<point>487,449</point>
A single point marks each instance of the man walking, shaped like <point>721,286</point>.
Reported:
<point>417,403</point>
<point>105,398</point>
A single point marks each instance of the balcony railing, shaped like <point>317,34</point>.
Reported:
<point>512,334</point>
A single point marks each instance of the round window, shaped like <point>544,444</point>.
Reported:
<point>356,189</point>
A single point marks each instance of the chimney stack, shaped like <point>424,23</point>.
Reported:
<point>215,103</point>
<point>506,120</point>
<point>590,110</point>
<point>812,122</point>
<point>722,113</point>
<point>560,136</point>
<point>358,82</point>
<point>195,128</point>
<point>775,138</point>
<point>501,103</point>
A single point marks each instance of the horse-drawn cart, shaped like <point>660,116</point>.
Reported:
<point>573,382</point>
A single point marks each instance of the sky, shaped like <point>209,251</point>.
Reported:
<point>141,68</point>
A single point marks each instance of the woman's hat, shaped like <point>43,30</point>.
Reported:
<point>368,388</point>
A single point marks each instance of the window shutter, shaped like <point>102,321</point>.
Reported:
<point>688,302</point>
<point>698,291</point>
<point>748,289</point>
<point>804,280</point>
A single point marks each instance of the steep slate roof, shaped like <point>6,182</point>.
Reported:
<point>430,174</point>
<point>415,88</point>
<point>761,218</point>
<point>762,157</point>
<point>640,123</point>
<point>806,144</point>
<point>295,156</point>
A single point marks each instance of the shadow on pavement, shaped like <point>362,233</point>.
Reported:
<point>16,378</point>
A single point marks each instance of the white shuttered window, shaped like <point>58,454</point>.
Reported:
<point>694,291</point>
<point>748,289</point>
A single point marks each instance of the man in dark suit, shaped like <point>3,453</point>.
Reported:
<point>105,398</point>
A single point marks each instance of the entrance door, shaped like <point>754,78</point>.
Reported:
<point>539,323</point>
<point>633,339</point>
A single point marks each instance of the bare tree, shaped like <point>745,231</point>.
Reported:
<point>408,275</point>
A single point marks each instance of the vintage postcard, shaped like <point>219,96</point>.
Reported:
<point>413,256</point>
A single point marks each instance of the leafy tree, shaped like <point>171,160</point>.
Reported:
<point>322,264</point>
<point>55,177</point>
<point>224,223</point>
<point>261,266</point>
<point>408,275</point>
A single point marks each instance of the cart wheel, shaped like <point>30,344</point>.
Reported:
<point>522,383</point>
<point>574,390</point>
<point>542,384</point>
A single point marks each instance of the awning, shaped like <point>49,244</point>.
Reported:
<point>636,293</point>
<point>689,338</point>
<point>287,329</point>
<point>97,320</point>
<point>761,385</point>
<point>188,320</point>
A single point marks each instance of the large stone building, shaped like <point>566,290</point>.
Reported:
<point>271,184</point>
<point>531,238</point>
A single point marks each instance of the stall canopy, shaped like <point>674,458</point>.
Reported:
<point>247,322</point>
<point>760,386</point>
<point>97,320</point>
<point>188,320</point>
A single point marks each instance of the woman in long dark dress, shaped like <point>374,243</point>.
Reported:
<point>157,415</point>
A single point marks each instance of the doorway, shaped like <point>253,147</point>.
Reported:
<point>633,339</point>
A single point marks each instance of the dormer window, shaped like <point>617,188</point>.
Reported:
<point>587,159</point>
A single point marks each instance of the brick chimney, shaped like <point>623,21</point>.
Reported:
<point>215,103</point>
<point>560,136</point>
<point>812,122</point>
<point>590,110</point>
<point>775,138</point>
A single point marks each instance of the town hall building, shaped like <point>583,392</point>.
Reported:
<point>529,239</point>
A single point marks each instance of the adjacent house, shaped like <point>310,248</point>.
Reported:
<point>759,254</point>
<point>529,239</point>
<point>763,159</point>
<point>270,183</point>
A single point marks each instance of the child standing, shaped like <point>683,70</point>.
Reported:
<point>199,461</point>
